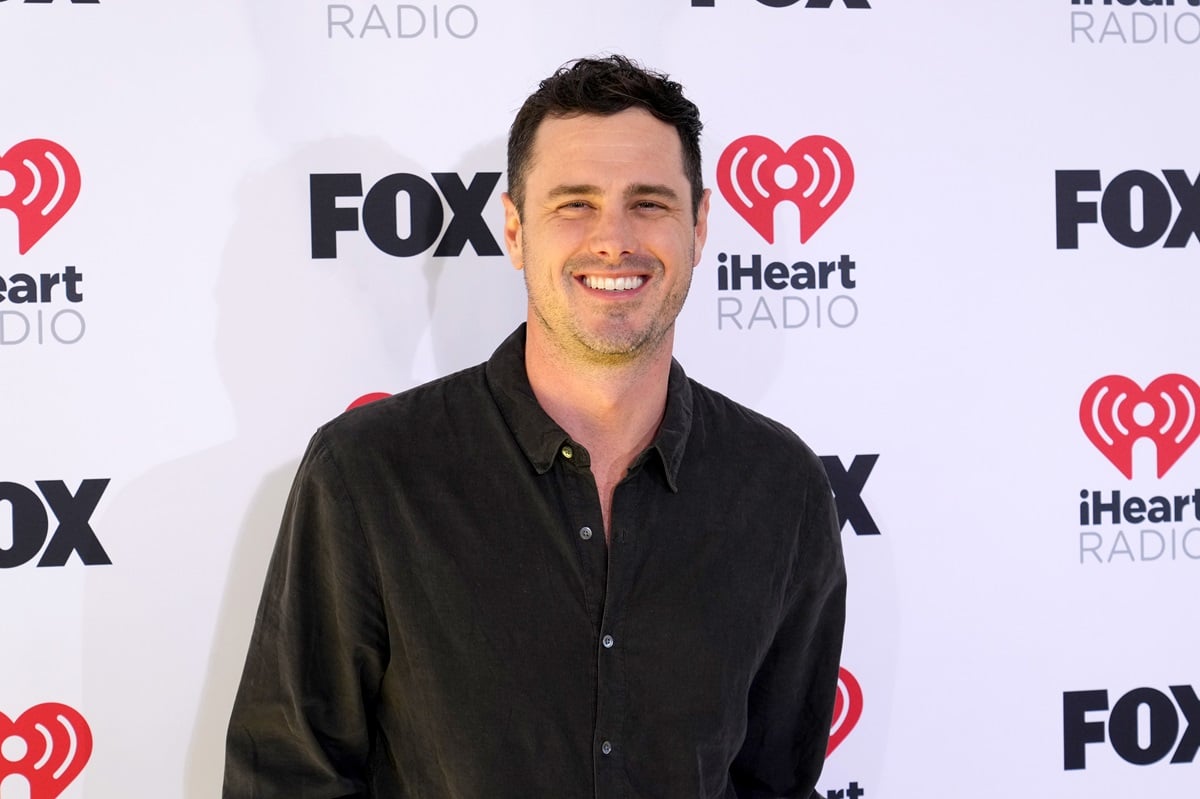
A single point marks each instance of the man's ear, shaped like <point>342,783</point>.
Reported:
<point>701,232</point>
<point>512,231</point>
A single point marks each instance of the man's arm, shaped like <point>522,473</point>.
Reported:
<point>791,697</point>
<point>301,723</point>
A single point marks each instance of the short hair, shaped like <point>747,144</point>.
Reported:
<point>605,86</point>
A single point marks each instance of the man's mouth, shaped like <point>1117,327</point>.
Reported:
<point>613,283</point>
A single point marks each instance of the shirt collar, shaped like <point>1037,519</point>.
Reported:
<point>542,440</point>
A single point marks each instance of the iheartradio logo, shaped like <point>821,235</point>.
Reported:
<point>755,175</point>
<point>1115,412</point>
<point>39,182</point>
<point>847,709</point>
<point>48,745</point>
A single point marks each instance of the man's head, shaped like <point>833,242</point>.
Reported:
<point>603,87</point>
<point>606,215</point>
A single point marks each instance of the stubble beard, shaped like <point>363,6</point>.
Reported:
<point>616,340</point>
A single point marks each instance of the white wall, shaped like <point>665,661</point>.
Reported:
<point>213,343</point>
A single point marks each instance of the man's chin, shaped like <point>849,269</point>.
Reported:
<point>621,346</point>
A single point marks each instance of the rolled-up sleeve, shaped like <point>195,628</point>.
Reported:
<point>301,723</point>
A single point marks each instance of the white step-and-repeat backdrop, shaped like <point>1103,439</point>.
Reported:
<point>956,246</point>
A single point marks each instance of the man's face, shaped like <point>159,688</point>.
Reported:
<point>606,236</point>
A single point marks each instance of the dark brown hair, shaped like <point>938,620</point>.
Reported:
<point>605,86</point>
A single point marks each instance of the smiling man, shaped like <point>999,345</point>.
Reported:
<point>570,571</point>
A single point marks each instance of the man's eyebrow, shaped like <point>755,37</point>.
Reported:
<point>575,189</point>
<point>652,190</point>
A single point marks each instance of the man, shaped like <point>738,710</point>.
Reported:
<point>569,571</point>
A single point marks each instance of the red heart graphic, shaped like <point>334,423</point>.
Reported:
<point>367,399</point>
<point>752,178</point>
<point>48,745</point>
<point>847,709</point>
<point>1106,413</point>
<point>47,184</point>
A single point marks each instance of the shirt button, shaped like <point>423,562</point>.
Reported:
<point>585,533</point>
<point>606,748</point>
<point>566,451</point>
<point>607,641</point>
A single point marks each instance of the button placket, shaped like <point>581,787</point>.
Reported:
<point>611,721</point>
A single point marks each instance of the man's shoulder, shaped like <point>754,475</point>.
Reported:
<point>730,422</point>
<point>426,407</point>
<point>733,417</point>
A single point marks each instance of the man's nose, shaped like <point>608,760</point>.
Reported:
<point>613,236</point>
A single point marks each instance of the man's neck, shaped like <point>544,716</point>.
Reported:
<point>612,409</point>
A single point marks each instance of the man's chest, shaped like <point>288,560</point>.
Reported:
<point>519,585</point>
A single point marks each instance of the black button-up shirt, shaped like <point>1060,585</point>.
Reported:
<point>442,617</point>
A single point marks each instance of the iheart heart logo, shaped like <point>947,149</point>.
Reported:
<point>755,174</point>
<point>847,709</point>
<point>48,745</point>
<point>42,186</point>
<point>365,399</point>
<point>1115,412</point>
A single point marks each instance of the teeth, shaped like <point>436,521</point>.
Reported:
<point>614,283</point>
